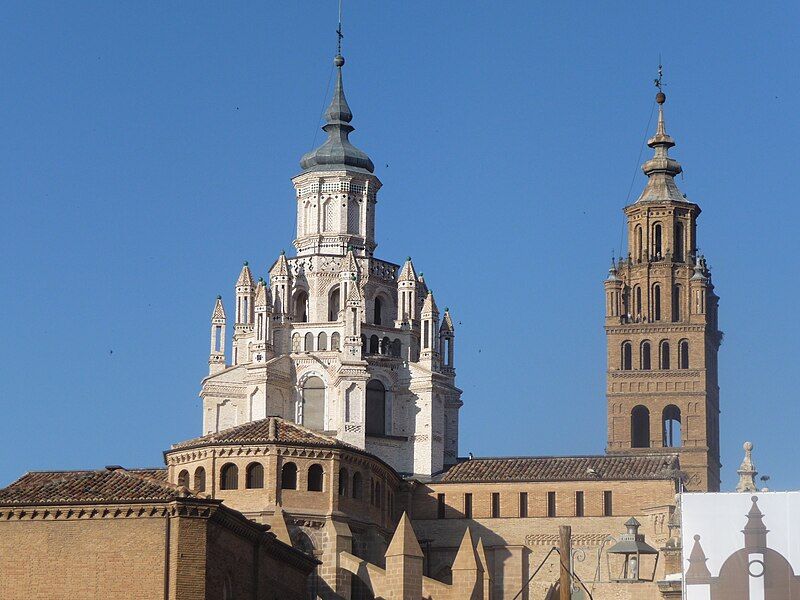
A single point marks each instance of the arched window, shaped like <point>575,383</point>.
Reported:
<point>644,356</point>
<point>335,340</point>
<point>637,236</point>
<point>301,307</point>
<point>377,313</point>
<point>385,342</point>
<point>289,476</point>
<point>373,344</point>
<point>637,293</point>
<point>679,242</point>
<point>322,341</point>
<point>334,303</point>
<point>314,403</point>
<point>183,478</point>
<point>657,240</point>
<point>358,491</point>
<point>627,356</point>
<point>315,478</point>
<point>676,303</point>
<point>363,344</point>
<point>229,477</point>
<point>308,345</point>
<point>656,302</point>
<point>254,477</point>
<point>640,427</point>
<point>663,355</point>
<point>397,348</point>
<point>200,479</point>
<point>376,408</point>
<point>671,421</point>
<point>296,342</point>
<point>343,481</point>
<point>683,354</point>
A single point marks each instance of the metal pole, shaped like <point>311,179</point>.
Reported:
<point>565,552</point>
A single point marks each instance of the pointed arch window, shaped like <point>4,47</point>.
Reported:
<point>637,296</point>
<point>301,307</point>
<point>289,476</point>
<point>637,236</point>
<point>314,403</point>
<point>358,491</point>
<point>656,302</point>
<point>229,477</point>
<point>183,478</point>
<point>679,242</point>
<point>254,478</point>
<point>671,426</point>
<point>683,354</point>
<point>644,356</point>
<point>657,240</point>
<point>640,427</point>
<point>627,356</point>
<point>200,479</point>
<point>376,408</point>
<point>316,477</point>
<point>663,355</point>
<point>334,304</point>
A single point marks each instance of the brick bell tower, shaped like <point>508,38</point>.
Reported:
<point>661,327</point>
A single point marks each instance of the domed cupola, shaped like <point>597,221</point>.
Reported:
<point>337,151</point>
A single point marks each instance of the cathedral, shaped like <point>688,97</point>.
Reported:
<point>331,416</point>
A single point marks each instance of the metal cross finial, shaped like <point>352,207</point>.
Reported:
<point>339,34</point>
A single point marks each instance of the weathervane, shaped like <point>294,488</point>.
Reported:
<point>657,80</point>
<point>339,34</point>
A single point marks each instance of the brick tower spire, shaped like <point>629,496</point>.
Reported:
<point>661,328</point>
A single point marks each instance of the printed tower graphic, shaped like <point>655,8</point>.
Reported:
<point>336,339</point>
<point>661,328</point>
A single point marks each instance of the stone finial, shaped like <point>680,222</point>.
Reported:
<point>487,578</point>
<point>747,471</point>
<point>755,532</point>
<point>278,526</point>
<point>218,314</point>
<point>698,571</point>
<point>404,542</point>
<point>245,277</point>
<point>467,559</point>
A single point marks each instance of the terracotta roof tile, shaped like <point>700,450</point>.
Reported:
<point>564,468</point>
<point>259,432</point>
<point>113,484</point>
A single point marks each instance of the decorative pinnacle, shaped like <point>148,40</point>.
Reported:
<point>219,296</point>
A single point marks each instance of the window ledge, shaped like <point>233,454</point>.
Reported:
<point>383,436</point>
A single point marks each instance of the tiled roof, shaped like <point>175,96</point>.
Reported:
<point>564,468</point>
<point>112,484</point>
<point>263,431</point>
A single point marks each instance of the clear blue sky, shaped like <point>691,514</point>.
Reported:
<point>146,150</point>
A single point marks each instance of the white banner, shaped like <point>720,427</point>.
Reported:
<point>741,546</point>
